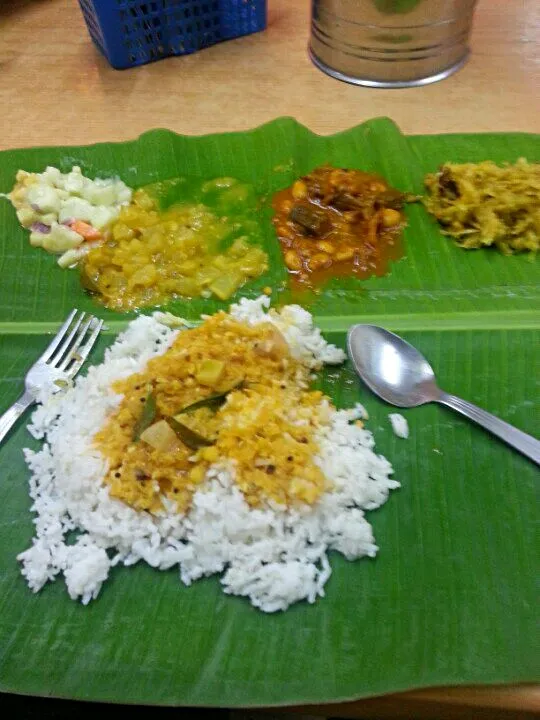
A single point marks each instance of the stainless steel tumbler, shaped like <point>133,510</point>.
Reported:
<point>390,43</point>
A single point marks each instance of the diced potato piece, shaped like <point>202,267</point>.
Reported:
<point>73,182</point>
<point>225,285</point>
<point>189,267</point>
<point>239,246</point>
<point>210,372</point>
<point>75,207</point>
<point>122,232</point>
<point>51,175</point>
<point>36,239</point>
<point>207,275</point>
<point>26,216</point>
<point>60,239</point>
<point>221,262</point>
<point>182,286</point>
<point>160,436</point>
<point>48,219</point>
<point>145,276</point>
<point>101,216</point>
<point>136,247</point>
<point>43,197</point>
<point>72,257</point>
<point>143,200</point>
<point>254,262</point>
<point>100,194</point>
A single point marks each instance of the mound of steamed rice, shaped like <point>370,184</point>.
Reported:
<point>273,555</point>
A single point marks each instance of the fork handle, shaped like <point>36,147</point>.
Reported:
<point>526,444</point>
<point>14,413</point>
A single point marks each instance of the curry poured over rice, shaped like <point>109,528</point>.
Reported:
<point>239,469</point>
<point>223,392</point>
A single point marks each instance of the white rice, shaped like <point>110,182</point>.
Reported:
<point>399,424</point>
<point>271,555</point>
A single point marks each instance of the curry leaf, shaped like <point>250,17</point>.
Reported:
<point>189,437</point>
<point>147,415</point>
<point>212,401</point>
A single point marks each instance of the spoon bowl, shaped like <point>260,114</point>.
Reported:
<point>391,367</point>
<point>399,374</point>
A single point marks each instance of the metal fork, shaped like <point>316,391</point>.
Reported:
<point>60,362</point>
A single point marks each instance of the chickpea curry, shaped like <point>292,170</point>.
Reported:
<point>339,222</point>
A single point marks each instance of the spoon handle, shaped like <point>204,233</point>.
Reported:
<point>526,444</point>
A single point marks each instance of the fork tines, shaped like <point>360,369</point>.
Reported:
<point>73,342</point>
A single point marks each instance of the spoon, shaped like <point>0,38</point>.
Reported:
<point>400,375</point>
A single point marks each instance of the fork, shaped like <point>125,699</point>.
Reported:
<point>60,362</point>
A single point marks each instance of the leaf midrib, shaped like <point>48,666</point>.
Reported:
<point>420,322</point>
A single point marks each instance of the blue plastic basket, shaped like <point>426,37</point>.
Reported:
<point>134,32</point>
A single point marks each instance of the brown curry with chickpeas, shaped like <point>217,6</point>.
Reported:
<point>339,222</point>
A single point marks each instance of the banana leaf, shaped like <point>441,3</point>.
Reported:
<point>450,598</point>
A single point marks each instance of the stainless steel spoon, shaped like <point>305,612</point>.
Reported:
<point>400,375</point>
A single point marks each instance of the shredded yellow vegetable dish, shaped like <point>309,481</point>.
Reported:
<point>482,204</point>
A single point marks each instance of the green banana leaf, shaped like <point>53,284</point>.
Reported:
<point>449,600</point>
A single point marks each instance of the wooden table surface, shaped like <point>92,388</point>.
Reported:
<point>56,89</point>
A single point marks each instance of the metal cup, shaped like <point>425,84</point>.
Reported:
<point>390,43</point>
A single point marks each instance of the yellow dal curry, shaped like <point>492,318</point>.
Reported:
<point>265,425</point>
<point>201,247</point>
